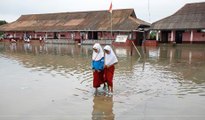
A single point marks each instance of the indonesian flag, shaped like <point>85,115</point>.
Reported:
<point>110,9</point>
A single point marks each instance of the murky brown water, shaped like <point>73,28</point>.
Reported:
<point>54,82</point>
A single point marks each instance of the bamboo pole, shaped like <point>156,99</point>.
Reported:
<point>136,49</point>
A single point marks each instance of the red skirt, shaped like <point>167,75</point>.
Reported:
<point>109,73</point>
<point>98,78</point>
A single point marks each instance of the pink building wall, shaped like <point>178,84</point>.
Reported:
<point>186,36</point>
<point>77,35</point>
<point>199,37</point>
<point>170,36</point>
<point>50,35</point>
<point>40,34</point>
<point>19,35</point>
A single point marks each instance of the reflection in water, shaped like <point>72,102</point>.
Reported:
<point>13,47</point>
<point>186,62</point>
<point>27,47</point>
<point>102,108</point>
<point>122,52</point>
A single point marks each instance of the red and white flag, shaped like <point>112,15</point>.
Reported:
<point>110,9</point>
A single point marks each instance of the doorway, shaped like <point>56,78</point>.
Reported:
<point>165,36</point>
<point>93,35</point>
<point>179,37</point>
<point>139,38</point>
<point>55,35</point>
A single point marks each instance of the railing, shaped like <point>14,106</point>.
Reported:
<point>84,42</point>
<point>60,41</point>
<point>90,42</point>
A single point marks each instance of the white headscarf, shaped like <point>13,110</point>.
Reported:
<point>111,58</point>
<point>97,56</point>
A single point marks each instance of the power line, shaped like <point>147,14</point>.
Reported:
<point>149,14</point>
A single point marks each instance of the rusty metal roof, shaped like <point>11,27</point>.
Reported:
<point>191,16</point>
<point>123,19</point>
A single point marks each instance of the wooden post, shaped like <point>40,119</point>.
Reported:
<point>59,35</point>
<point>192,36</point>
<point>157,36</point>
<point>35,35</point>
<point>136,49</point>
<point>172,36</point>
<point>131,51</point>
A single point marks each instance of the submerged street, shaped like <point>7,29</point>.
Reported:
<point>52,81</point>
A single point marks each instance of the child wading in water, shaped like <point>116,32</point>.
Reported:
<point>98,66</point>
<point>109,68</point>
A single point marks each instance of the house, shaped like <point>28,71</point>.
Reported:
<point>78,26</point>
<point>187,25</point>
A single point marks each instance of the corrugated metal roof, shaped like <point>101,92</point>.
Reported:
<point>123,19</point>
<point>191,16</point>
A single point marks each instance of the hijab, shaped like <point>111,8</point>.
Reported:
<point>97,55</point>
<point>111,58</point>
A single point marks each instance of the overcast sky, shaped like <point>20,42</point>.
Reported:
<point>10,10</point>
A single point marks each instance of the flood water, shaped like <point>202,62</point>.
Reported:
<point>54,82</point>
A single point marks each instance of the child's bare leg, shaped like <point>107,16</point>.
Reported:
<point>96,91</point>
<point>104,86</point>
<point>111,88</point>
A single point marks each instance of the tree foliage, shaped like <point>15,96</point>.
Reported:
<point>2,22</point>
<point>153,35</point>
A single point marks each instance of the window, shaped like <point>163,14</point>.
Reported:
<point>62,35</point>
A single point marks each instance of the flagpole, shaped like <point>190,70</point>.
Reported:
<point>111,18</point>
<point>111,25</point>
<point>110,10</point>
